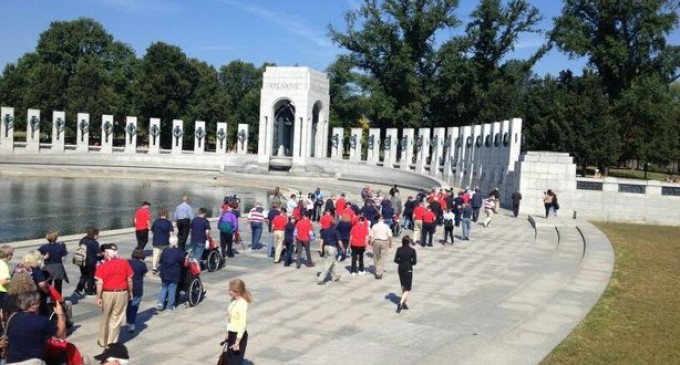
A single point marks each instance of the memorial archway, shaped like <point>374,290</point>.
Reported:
<point>284,126</point>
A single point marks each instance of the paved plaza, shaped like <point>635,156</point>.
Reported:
<point>507,296</point>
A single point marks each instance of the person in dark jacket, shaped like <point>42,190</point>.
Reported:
<point>139,269</point>
<point>54,253</point>
<point>93,254</point>
<point>406,259</point>
<point>288,239</point>
<point>170,266</point>
<point>476,203</point>
<point>516,197</point>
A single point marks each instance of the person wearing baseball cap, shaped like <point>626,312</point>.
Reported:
<point>114,290</point>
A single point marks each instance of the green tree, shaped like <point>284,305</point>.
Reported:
<point>622,39</point>
<point>165,83</point>
<point>348,100</point>
<point>242,82</point>
<point>208,102</point>
<point>397,47</point>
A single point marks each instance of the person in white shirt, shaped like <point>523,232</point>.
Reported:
<point>381,241</point>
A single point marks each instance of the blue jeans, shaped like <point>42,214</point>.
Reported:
<point>168,292</point>
<point>467,226</point>
<point>256,229</point>
<point>132,308</point>
<point>196,249</point>
<point>270,245</point>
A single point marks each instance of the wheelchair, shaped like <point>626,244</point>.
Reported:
<point>212,259</point>
<point>190,289</point>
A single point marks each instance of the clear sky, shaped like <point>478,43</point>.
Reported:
<point>219,31</point>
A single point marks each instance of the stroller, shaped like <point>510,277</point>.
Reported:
<point>190,288</point>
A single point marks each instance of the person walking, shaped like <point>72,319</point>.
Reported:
<point>139,271</point>
<point>6,253</point>
<point>489,204</point>
<point>142,221</point>
<point>467,221</point>
<point>289,241</point>
<point>271,215</point>
<point>429,227</point>
<point>449,218</point>
<point>332,242</point>
<point>171,262</point>
<point>406,258</point>
<point>516,197</point>
<point>162,230</point>
<point>237,314</point>
<point>54,253</point>
<point>381,242</point>
<point>344,226</point>
<point>278,224</point>
<point>200,230</point>
<point>305,231</point>
<point>358,240</point>
<point>418,211</point>
<point>114,290</point>
<point>228,225</point>
<point>182,217</point>
<point>256,220</point>
<point>477,201</point>
<point>93,254</point>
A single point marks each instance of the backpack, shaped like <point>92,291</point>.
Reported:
<point>80,256</point>
<point>225,226</point>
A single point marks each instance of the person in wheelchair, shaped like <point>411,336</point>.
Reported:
<point>190,285</point>
<point>212,259</point>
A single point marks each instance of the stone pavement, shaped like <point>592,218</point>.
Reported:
<point>508,296</point>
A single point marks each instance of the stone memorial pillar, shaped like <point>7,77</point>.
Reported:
<point>422,144</point>
<point>6,130</point>
<point>355,144</point>
<point>83,133</point>
<point>406,148</point>
<point>107,134</point>
<point>177,136</point>
<point>373,154</point>
<point>199,137</point>
<point>130,135</point>
<point>221,138</point>
<point>389,145</point>
<point>58,128</point>
<point>242,139</point>
<point>465,163</point>
<point>437,144</point>
<point>337,143</point>
<point>154,136</point>
<point>33,131</point>
<point>449,153</point>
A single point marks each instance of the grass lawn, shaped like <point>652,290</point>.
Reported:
<point>637,174</point>
<point>637,319</point>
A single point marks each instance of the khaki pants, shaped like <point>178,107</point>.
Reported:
<point>329,266</point>
<point>156,256</point>
<point>417,228</point>
<point>113,314</point>
<point>278,244</point>
<point>380,249</point>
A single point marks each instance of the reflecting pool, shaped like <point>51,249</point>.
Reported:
<point>31,206</point>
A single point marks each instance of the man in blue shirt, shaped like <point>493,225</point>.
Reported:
<point>200,230</point>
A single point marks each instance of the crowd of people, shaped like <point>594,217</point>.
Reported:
<point>34,314</point>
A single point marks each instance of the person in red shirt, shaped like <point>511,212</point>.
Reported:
<point>325,223</point>
<point>302,240</point>
<point>142,222</point>
<point>429,227</point>
<point>358,239</point>
<point>114,290</point>
<point>340,204</point>
<point>279,229</point>
<point>418,212</point>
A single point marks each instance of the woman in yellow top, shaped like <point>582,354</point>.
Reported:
<point>237,336</point>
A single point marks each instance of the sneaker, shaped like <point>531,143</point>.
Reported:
<point>399,308</point>
<point>353,274</point>
<point>378,277</point>
<point>131,327</point>
<point>172,309</point>
<point>362,272</point>
<point>404,307</point>
<point>159,307</point>
<point>154,272</point>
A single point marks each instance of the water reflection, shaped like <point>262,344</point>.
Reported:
<point>31,206</point>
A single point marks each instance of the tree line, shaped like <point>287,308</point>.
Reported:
<point>406,63</point>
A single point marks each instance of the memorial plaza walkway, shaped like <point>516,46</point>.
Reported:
<point>507,296</point>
